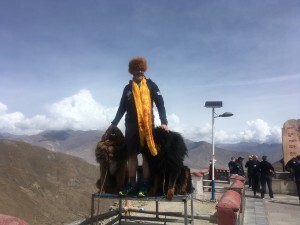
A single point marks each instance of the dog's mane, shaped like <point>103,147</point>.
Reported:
<point>171,150</point>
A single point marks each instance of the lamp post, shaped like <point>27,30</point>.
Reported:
<point>213,105</point>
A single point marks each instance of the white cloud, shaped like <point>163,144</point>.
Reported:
<point>82,112</point>
<point>3,108</point>
<point>257,131</point>
<point>78,112</point>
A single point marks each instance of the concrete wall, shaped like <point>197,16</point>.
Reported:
<point>284,187</point>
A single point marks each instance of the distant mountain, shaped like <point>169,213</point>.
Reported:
<point>77,143</point>
<point>82,144</point>
<point>200,154</point>
<point>273,151</point>
<point>42,186</point>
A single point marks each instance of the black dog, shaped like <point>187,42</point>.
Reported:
<point>170,175</point>
<point>111,154</point>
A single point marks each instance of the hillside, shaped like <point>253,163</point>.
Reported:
<point>42,186</point>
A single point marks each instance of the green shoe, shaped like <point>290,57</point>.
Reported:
<point>128,190</point>
<point>143,190</point>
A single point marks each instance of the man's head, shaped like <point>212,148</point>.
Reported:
<point>233,158</point>
<point>250,157</point>
<point>137,65</point>
<point>264,158</point>
<point>240,159</point>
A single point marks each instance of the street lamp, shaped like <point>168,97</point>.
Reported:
<point>213,105</point>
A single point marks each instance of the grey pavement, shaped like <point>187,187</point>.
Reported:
<point>283,209</point>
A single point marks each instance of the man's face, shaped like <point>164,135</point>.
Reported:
<point>138,75</point>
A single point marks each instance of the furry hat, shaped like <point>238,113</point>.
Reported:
<point>138,63</point>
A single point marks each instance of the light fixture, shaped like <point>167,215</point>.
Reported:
<point>213,105</point>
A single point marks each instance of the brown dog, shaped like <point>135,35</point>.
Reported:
<point>111,154</point>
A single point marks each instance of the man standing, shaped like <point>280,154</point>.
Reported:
<point>267,172</point>
<point>233,167</point>
<point>137,101</point>
<point>249,166</point>
<point>240,166</point>
<point>293,165</point>
<point>255,175</point>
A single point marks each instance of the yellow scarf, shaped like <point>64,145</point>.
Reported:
<point>142,101</point>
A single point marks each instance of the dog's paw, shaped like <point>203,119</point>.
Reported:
<point>170,193</point>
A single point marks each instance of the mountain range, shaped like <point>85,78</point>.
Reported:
<point>82,144</point>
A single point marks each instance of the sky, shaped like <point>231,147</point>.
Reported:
<point>64,64</point>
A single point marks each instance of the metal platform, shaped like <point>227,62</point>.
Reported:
<point>122,213</point>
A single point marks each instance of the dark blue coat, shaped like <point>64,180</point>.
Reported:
<point>127,105</point>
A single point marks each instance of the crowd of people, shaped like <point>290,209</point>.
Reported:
<point>260,173</point>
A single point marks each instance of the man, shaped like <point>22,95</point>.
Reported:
<point>137,101</point>
<point>233,167</point>
<point>267,171</point>
<point>255,175</point>
<point>249,166</point>
<point>293,165</point>
<point>240,166</point>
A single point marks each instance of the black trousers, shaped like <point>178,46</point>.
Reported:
<point>249,179</point>
<point>298,187</point>
<point>266,179</point>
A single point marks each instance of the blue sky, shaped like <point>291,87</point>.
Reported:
<point>64,63</point>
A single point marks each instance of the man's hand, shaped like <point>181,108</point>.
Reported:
<point>165,127</point>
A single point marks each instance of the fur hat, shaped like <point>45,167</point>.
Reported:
<point>138,63</point>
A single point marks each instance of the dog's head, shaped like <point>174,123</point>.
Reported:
<point>111,146</point>
<point>113,136</point>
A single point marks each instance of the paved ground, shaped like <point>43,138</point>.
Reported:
<point>284,209</point>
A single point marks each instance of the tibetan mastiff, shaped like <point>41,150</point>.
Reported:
<point>170,176</point>
<point>111,154</point>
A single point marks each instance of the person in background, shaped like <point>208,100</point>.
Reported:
<point>233,167</point>
<point>137,101</point>
<point>240,166</point>
<point>293,166</point>
<point>267,171</point>
<point>249,166</point>
<point>255,175</point>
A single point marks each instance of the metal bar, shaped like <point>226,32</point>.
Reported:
<point>120,212</point>
<point>113,221</point>
<point>92,206</point>
<point>192,211</point>
<point>175,214</point>
<point>213,198</point>
<point>176,198</point>
<point>100,217</point>
<point>217,181</point>
<point>156,204</point>
<point>152,219</point>
<point>185,213</point>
